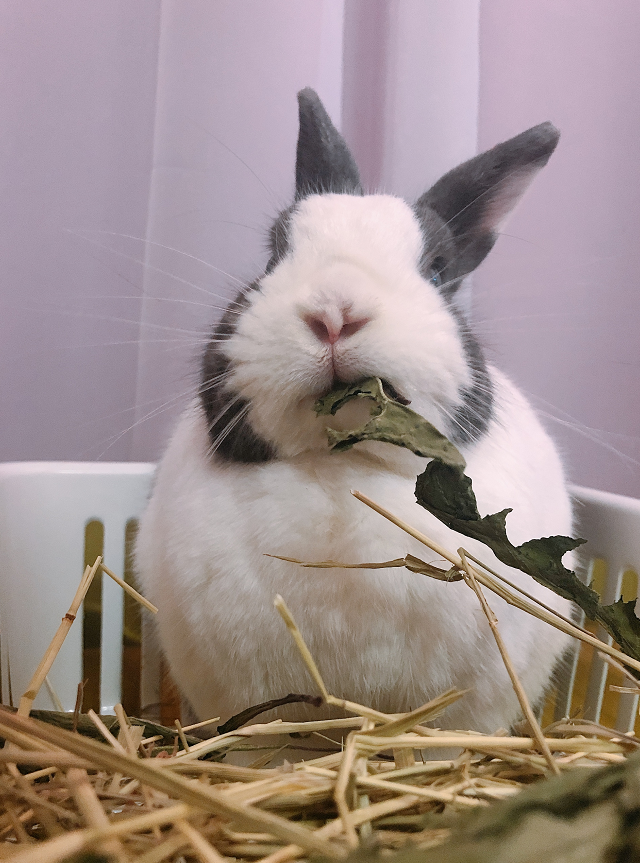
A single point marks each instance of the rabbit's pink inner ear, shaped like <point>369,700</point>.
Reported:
<point>503,198</point>
<point>475,198</point>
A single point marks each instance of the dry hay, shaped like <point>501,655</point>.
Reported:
<point>128,798</point>
<point>79,794</point>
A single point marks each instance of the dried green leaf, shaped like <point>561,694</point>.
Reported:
<point>621,621</point>
<point>390,422</point>
<point>588,815</point>
<point>413,564</point>
<point>86,728</point>
<point>334,564</point>
<point>240,719</point>
<point>447,493</point>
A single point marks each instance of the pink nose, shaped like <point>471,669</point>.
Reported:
<point>328,329</point>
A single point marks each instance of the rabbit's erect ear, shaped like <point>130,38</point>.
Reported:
<point>475,198</point>
<point>323,161</point>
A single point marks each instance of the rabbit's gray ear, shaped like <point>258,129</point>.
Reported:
<point>475,198</point>
<point>323,161</point>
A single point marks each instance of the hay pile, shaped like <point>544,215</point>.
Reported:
<point>153,794</point>
<point>391,786</point>
<point>63,793</point>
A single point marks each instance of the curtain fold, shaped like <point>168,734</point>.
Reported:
<point>224,146</point>
<point>146,146</point>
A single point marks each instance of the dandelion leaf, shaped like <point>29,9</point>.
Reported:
<point>621,621</point>
<point>390,422</point>
<point>447,493</point>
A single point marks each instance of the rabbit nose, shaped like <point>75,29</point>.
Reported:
<point>328,328</point>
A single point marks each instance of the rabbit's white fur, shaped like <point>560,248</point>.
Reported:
<point>387,638</point>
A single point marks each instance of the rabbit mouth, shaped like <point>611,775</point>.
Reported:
<point>388,388</point>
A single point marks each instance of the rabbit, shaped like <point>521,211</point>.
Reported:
<point>357,285</point>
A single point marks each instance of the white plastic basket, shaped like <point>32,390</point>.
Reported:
<point>611,525</point>
<point>44,510</point>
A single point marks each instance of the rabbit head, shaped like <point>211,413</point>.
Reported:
<point>362,285</point>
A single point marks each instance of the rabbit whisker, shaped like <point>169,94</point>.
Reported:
<point>79,232</point>
<point>224,434</point>
<point>111,441</point>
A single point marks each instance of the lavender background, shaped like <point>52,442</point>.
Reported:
<point>173,122</point>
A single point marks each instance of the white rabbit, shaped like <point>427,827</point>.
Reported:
<point>357,286</point>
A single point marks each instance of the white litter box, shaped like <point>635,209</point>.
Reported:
<point>45,508</point>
